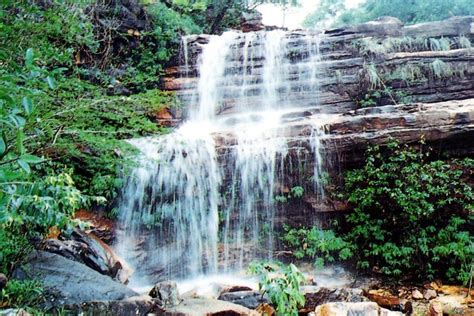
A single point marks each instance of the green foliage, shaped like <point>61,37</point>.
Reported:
<point>326,12</point>
<point>281,284</point>
<point>296,192</point>
<point>320,245</point>
<point>411,216</point>
<point>94,140</point>
<point>21,294</point>
<point>14,246</point>
<point>410,12</point>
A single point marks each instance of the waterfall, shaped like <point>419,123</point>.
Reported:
<point>202,199</point>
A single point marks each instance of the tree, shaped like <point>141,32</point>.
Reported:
<point>326,13</point>
<point>408,11</point>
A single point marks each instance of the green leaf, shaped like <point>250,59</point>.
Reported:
<point>31,159</point>
<point>50,81</point>
<point>27,105</point>
<point>20,137</point>
<point>29,57</point>
<point>3,146</point>
<point>24,165</point>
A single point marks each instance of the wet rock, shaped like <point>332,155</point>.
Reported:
<point>435,308</point>
<point>389,301</point>
<point>235,288</point>
<point>73,282</point>
<point>319,296</point>
<point>208,307</point>
<point>346,309</point>
<point>416,295</point>
<point>249,299</point>
<point>166,293</point>
<point>429,294</point>
<point>3,281</point>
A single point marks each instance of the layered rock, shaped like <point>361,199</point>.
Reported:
<point>377,81</point>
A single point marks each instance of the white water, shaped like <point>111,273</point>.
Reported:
<point>183,212</point>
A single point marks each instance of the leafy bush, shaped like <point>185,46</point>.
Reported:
<point>14,246</point>
<point>20,294</point>
<point>323,246</point>
<point>412,217</point>
<point>296,192</point>
<point>281,284</point>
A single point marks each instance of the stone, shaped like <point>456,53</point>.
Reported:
<point>389,301</point>
<point>113,308</point>
<point>72,282</point>
<point>91,251</point>
<point>208,307</point>
<point>319,296</point>
<point>346,309</point>
<point>166,293</point>
<point>387,312</point>
<point>249,299</point>
<point>235,288</point>
<point>429,294</point>
<point>435,308</point>
<point>3,281</point>
<point>416,294</point>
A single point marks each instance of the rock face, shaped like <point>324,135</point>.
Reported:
<point>377,81</point>
<point>74,282</point>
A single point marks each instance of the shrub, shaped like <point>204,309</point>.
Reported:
<point>411,216</point>
<point>281,284</point>
<point>21,294</point>
<point>320,245</point>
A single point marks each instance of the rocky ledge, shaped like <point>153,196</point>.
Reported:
<point>378,81</point>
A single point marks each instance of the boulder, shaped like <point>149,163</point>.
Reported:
<point>89,250</point>
<point>416,295</point>
<point>319,296</point>
<point>435,308</point>
<point>345,309</point>
<point>429,294</point>
<point>130,306</point>
<point>73,282</point>
<point>166,293</point>
<point>208,307</point>
<point>249,299</point>
<point>390,301</point>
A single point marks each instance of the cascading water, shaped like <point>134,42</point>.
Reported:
<point>187,209</point>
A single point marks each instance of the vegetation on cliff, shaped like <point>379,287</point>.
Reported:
<point>409,12</point>
<point>412,218</point>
